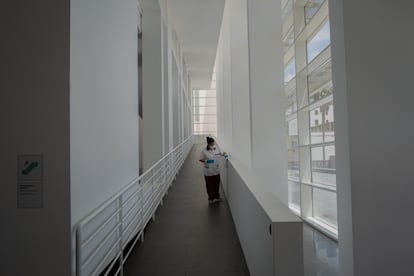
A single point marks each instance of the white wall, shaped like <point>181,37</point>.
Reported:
<point>233,79</point>
<point>166,125</point>
<point>345,238</point>
<point>373,76</point>
<point>223,82</point>
<point>34,108</point>
<point>104,101</point>
<point>175,83</point>
<point>251,108</point>
<point>175,104</point>
<point>153,84</point>
<point>270,234</point>
<point>267,97</point>
<point>239,78</point>
<point>170,60</point>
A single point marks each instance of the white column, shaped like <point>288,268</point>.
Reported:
<point>372,59</point>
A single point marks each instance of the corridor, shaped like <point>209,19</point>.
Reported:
<point>189,236</point>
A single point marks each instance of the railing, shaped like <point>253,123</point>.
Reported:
<point>106,237</point>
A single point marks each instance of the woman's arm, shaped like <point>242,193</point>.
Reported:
<point>202,157</point>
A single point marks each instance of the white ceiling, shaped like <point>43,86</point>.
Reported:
<point>197,24</point>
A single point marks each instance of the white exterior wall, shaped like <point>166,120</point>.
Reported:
<point>372,74</point>
<point>34,107</point>
<point>104,101</point>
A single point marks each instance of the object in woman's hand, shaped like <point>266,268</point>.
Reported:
<point>209,161</point>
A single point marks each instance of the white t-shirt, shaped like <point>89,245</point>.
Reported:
<point>213,156</point>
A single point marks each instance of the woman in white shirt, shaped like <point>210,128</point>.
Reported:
<point>210,157</point>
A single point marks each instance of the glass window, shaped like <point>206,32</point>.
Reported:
<point>324,206</point>
<point>322,124</point>
<point>293,150</point>
<point>207,118</point>
<point>315,128</point>
<point>290,70</point>
<point>323,165</point>
<point>292,105</point>
<point>294,195</point>
<point>328,122</point>
<point>311,8</point>
<point>310,113</point>
<point>288,40</point>
<point>206,93</point>
<point>293,128</point>
<point>205,112</point>
<point>206,101</point>
<point>287,9</point>
<point>320,82</point>
<point>318,42</point>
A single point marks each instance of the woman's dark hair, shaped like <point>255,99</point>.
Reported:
<point>209,141</point>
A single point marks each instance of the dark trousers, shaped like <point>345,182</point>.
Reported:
<point>212,185</point>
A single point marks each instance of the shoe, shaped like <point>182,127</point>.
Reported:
<point>217,200</point>
<point>210,201</point>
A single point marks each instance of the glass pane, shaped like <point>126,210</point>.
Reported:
<point>288,40</point>
<point>287,9</point>
<point>290,70</point>
<point>207,110</point>
<point>320,82</point>
<point>206,101</point>
<point>206,93</point>
<point>330,157</point>
<point>328,124</point>
<point>294,195</point>
<point>206,119</point>
<point>311,8</point>
<point>293,150</point>
<point>293,128</point>
<point>317,157</point>
<point>316,121</point>
<point>319,42</point>
<point>205,128</point>
<point>292,105</point>
<point>323,165</point>
<point>324,207</point>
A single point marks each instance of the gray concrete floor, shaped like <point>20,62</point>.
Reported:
<point>190,237</point>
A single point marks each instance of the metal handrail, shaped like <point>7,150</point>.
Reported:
<point>96,247</point>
